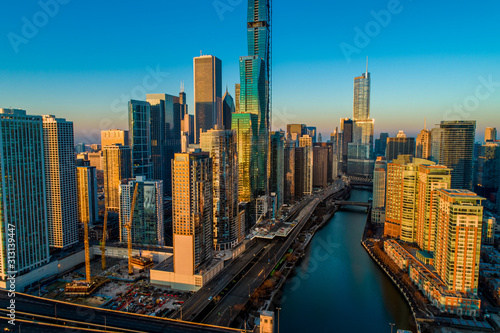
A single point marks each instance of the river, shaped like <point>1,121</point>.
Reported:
<point>337,287</point>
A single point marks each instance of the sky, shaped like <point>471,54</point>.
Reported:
<point>83,60</point>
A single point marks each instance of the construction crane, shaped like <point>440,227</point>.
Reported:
<point>103,243</point>
<point>87,253</point>
<point>128,226</point>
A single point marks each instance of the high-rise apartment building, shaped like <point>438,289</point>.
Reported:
<point>379,188</point>
<point>305,142</point>
<point>22,171</point>
<point>490,134</point>
<point>114,136</point>
<point>277,166</point>
<point>221,145</point>
<point>192,212</point>
<point>430,179</point>
<point>289,172</point>
<point>117,165</point>
<point>457,151</point>
<point>147,226</point>
<point>424,144</point>
<point>458,241</point>
<point>62,206</point>
<point>331,173</point>
<point>207,93</point>
<point>139,119</point>
<point>86,181</point>
<point>320,166</point>
<point>165,136</point>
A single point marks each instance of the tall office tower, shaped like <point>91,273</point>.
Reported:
<point>192,212</point>
<point>311,131</point>
<point>62,206</point>
<point>296,131</point>
<point>80,148</point>
<point>306,142</point>
<point>21,136</point>
<point>430,179</point>
<point>336,138</point>
<point>400,145</point>
<point>289,172</point>
<point>381,144</point>
<point>457,151</point>
<point>490,134</point>
<point>147,225</point>
<point>237,88</point>
<point>95,147</point>
<point>362,97</point>
<point>165,136</point>
<point>401,198</point>
<point>360,151</point>
<point>300,170</point>
<point>424,144</point>
<point>117,165</point>
<point>95,160</point>
<point>184,142</point>
<point>186,119</point>
<point>488,170</point>
<point>221,145</point>
<point>228,109</point>
<point>330,173</point>
<point>86,181</point>
<point>139,118</point>
<point>114,136</point>
<point>207,93</point>
<point>379,186</point>
<point>458,241</point>
<point>347,128</point>
<point>255,83</point>
<point>277,172</point>
<point>435,143</point>
<point>245,125</point>
<point>320,166</point>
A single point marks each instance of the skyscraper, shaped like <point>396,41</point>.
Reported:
<point>22,171</point>
<point>228,109</point>
<point>305,142</point>
<point>430,179</point>
<point>62,206</point>
<point>289,172</point>
<point>117,165</point>
<point>379,188</point>
<point>347,128</point>
<point>362,97</point>
<point>86,180</point>
<point>245,126</point>
<point>458,241</point>
<point>147,225</point>
<point>320,166</point>
<point>255,84</point>
<point>165,136</point>
<point>381,144</point>
<point>276,178</point>
<point>424,144</point>
<point>207,93</point>
<point>296,131</point>
<point>490,134</point>
<point>312,132</point>
<point>435,144</point>
<point>488,169</point>
<point>113,136</point>
<point>221,145</point>
<point>139,118</point>
<point>457,151</point>
<point>400,145</point>
<point>192,212</point>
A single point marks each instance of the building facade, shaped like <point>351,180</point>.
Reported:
<point>139,118</point>
<point>62,206</point>
<point>88,208</point>
<point>117,165</point>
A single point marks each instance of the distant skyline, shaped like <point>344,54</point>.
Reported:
<point>83,61</point>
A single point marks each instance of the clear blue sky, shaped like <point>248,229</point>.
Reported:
<point>426,58</point>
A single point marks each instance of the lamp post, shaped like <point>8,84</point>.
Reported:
<point>278,319</point>
<point>392,326</point>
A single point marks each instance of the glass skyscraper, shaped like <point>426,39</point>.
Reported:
<point>254,89</point>
<point>362,97</point>
<point>140,138</point>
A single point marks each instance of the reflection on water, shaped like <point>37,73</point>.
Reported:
<point>337,287</point>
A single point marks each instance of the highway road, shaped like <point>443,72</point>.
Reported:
<point>95,317</point>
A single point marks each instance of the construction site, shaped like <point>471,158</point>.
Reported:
<point>114,276</point>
